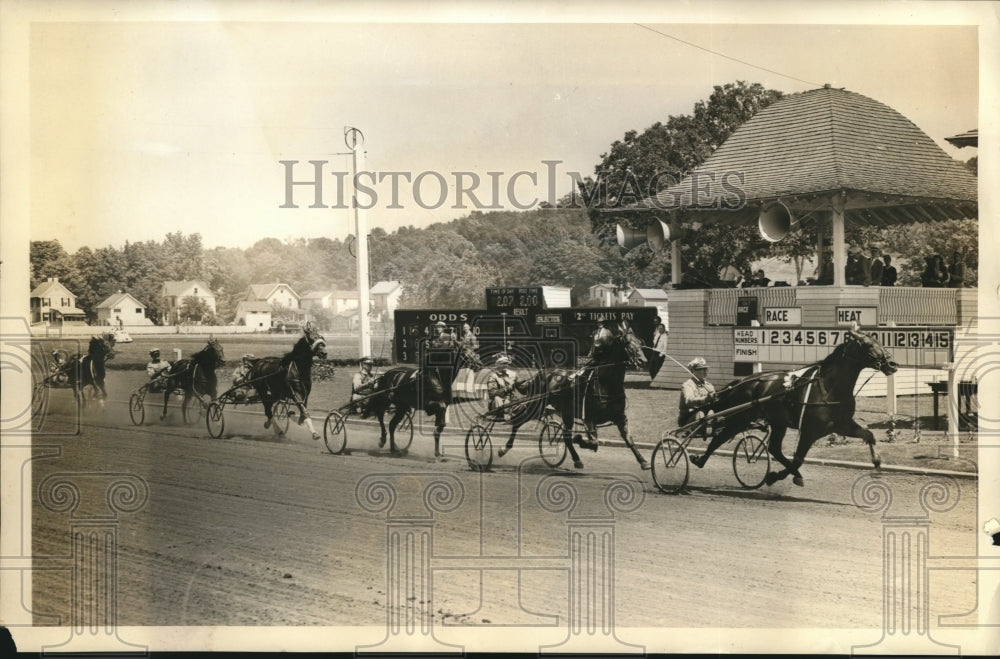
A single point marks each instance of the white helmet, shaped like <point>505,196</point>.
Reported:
<point>697,362</point>
<point>503,360</point>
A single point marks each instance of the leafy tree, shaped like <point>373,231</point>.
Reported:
<point>194,310</point>
<point>642,164</point>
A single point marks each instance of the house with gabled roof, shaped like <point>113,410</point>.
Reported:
<point>253,313</point>
<point>175,292</point>
<point>51,302</point>
<point>385,299</point>
<point>121,309</point>
<point>278,294</point>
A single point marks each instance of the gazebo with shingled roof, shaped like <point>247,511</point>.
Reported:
<point>833,156</point>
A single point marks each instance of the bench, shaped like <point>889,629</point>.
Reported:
<point>966,390</point>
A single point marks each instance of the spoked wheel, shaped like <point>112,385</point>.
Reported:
<point>39,397</point>
<point>670,466</point>
<point>404,432</point>
<point>479,448</point>
<point>215,419</point>
<point>282,418</point>
<point>551,444</point>
<point>335,432</point>
<point>192,413</point>
<point>137,409</point>
<point>751,461</point>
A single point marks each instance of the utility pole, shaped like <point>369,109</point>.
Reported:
<point>355,141</point>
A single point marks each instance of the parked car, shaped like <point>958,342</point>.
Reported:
<point>121,336</point>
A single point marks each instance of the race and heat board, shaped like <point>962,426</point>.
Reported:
<point>910,346</point>
<point>542,337</point>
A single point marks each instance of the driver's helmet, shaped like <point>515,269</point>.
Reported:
<point>246,359</point>
<point>154,353</point>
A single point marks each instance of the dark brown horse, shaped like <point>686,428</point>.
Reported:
<point>428,387</point>
<point>596,396</point>
<point>84,371</point>
<point>288,377</point>
<point>195,375</point>
<point>821,402</point>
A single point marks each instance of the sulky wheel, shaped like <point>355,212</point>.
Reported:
<point>404,432</point>
<point>215,419</point>
<point>479,448</point>
<point>282,416</point>
<point>670,466</point>
<point>137,409</point>
<point>335,432</point>
<point>39,398</point>
<point>192,413</point>
<point>551,444</point>
<point>751,460</point>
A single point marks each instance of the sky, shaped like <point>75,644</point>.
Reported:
<point>143,127</point>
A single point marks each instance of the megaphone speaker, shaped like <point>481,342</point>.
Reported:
<point>774,222</point>
<point>658,233</point>
<point>629,237</point>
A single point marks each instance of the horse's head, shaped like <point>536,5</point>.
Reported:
<point>630,345</point>
<point>102,347</point>
<point>215,348</point>
<point>315,341</point>
<point>869,352</point>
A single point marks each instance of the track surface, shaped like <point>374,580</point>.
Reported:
<point>255,530</point>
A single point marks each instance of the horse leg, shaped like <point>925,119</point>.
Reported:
<point>852,428</point>
<point>591,442</point>
<point>514,425</point>
<point>622,423</point>
<point>394,422</point>
<point>774,448</point>
<point>438,427</point>
<point>306,419</point>
<point>380,415</point>
<point>269,416</point>
<point>718,439</point>
<point>568,440</point>
<point>166,399</point>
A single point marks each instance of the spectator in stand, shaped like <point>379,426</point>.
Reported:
<point>760,280</point>
<point>956,271</point>
<point>443,339</point>
<point>857,272</point>
<point>729,275</point>
<point>935,273</point>
<point>888,272</point>
<point>876,270</point>
<point>824,274</point>
<point>469,338</point>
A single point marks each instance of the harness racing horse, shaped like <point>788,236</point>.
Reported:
<point>195,376</point>
<point>596,396</point>
<point>288,378</point>
<point>88,370</point>
<point>428,388</point>
<point>825,405</point>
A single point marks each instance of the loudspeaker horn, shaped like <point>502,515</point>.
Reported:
<point>629,237</point>
<point>658,233</point>
<point>774,221</point>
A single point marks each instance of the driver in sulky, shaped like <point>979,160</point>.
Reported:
<point>696,393</point>
<point>156,369</point>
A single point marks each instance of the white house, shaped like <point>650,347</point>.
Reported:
<point>385,299</point>
<point>650,297</point>
<point>175,292</point>
<point>253,313</point>
<point>607,295</point>
<point>278,294</point>
<point>51,302</point>
<point>121,309</point>
<point>316,300</point>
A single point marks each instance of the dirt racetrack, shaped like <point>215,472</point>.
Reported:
<point>252,530</point>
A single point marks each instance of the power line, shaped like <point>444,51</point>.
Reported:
<point>734,59</point>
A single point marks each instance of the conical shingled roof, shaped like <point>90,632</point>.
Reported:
<point>807,146</point>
